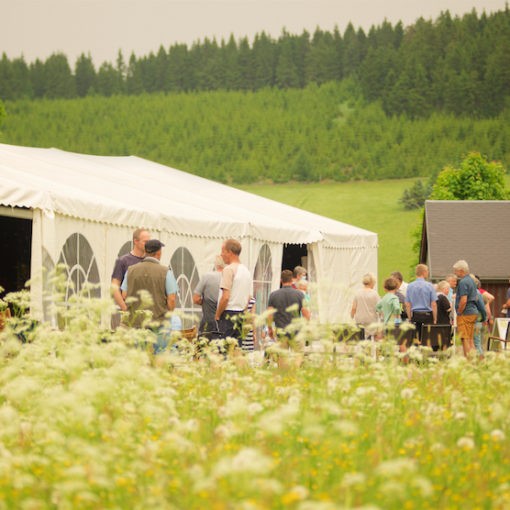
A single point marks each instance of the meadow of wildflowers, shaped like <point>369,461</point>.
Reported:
<point>90,420</point>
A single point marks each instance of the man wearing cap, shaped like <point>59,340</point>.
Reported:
<point>156,279</point>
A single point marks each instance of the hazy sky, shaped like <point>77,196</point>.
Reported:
<point>38,28</point>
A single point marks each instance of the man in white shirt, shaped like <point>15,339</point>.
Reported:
<point>236,287</point>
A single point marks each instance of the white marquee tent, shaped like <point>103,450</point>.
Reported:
<point>84,208</point>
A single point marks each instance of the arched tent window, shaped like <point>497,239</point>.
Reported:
<point>185,271</point>
<point>262,278</point>
<point>80,266</point>
<point>125,249</point>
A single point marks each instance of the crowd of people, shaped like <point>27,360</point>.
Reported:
<point>148,290</point>
<point>457,301</point>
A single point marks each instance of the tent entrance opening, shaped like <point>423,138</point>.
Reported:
<point>15,256</point>
<point>294,255</point>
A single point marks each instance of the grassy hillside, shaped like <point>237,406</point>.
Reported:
<point>370,205</point>
<point>313,134</point>
<point>327,133</point>
<point>373,206</point>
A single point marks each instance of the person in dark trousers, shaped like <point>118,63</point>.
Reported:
<point>157,280</point>
<point>137,253</point>
<point>236,289</point>
<point>279,303</point>
<point>206,295</point>
<point>421,300</point>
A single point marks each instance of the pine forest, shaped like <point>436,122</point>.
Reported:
<point>389,103</point>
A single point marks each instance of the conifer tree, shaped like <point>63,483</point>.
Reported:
<point>264,61</point>
<point>107,81</point>
<point>134,79</point>
<point>84,75</point>
<point>59,81</point>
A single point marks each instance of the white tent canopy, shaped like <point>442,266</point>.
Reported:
<point>101,199</point>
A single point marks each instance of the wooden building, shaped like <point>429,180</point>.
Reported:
<point>475,231</point>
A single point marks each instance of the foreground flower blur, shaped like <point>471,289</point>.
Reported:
<point>89,420</point>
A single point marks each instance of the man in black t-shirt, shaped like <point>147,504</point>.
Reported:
<point>140,237</point>
<point>280,300</point>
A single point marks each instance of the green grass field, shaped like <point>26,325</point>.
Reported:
<point>370,205</point>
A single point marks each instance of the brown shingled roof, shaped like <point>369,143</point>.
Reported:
<point>476,231</point>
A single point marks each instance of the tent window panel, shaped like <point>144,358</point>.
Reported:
<point>185,292</point>
<point>187,263</point>
<point>93,272</point>
<point>81,266</point>
<point>125,249</point>
<point>77,277</point>
<point>185,271</point>
<point>262,278</point>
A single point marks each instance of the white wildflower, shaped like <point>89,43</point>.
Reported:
<point>423,485</point>
<point>254,408</point>
<point>177,442</point>
<point>313,430</point>
<point>353,479</point>
<point>437,447</point>
<point>333,384</point>
<point>497,410</point>
<point>407,393</point>
<point>396,467</point>
<point>497,435</point>
<point>393,488</point>
<point>227,429</point>
<point>365,390</point>
<point>269,486</point>
<point>412,443</point>
<point>346,427</point>
<point>415,354</point>
<point>247,460</point>
<point>317,505</point>
<point>332,408</point>
<point>191,425</point>
<point>298,492</point>
<point>21,389</point>
<point>276,421</point>
<point>466,443</point>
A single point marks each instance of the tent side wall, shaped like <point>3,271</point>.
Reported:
<point>89,249</point>
<point>339,273</point>
<point>84,223</point>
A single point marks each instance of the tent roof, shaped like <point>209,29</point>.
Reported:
<point>472,230</point>
<point>132,191</point>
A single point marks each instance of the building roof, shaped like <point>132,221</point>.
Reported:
<point>472,230</point>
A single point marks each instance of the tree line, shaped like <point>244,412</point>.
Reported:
<point>456,65</point>
<point>318,133</point>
